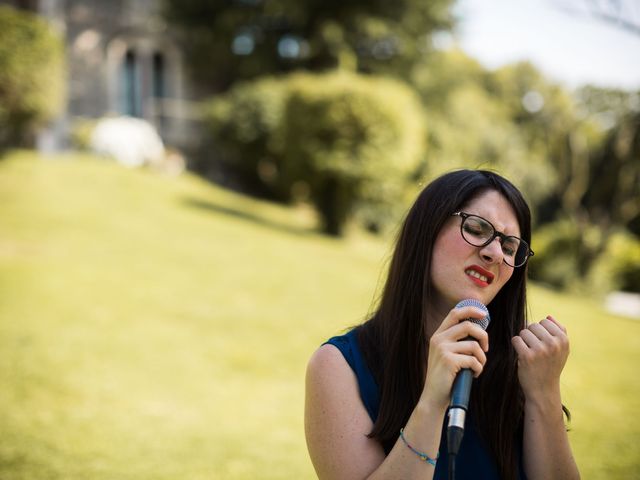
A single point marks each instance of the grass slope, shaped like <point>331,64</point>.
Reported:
<point>158,328</point>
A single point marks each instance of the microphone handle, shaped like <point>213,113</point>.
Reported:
<point>460,392</point>
<point>461,388</point>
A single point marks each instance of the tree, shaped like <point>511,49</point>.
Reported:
<point>593,208</point>
<point>31,75</point>
<point>233,40</point>
<point>352,141</point>
<point>614,195</point>
<point>356,141</point>
<point>545,117</point>
<point>479,119</point>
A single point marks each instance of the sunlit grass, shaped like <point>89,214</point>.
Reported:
<point>155,327</point>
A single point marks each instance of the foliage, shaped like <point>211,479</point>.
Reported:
<point>31,75</point>
<point>618,267</point>
<point>441,73</point>
<point>597,162</point>
<point>581,176</point>
<point>191,340</point>
<point>612,198</point>
<point>557,248</point>
<point>473,122</point>
<point>606,106</point>
<point>478,133</point>
<point>229,41</point>
<point>81,132</point>
<point>356,141</point>
<point>352,141</point>
<point>598,189</point>
<point>574,157</point>
<point>568,255</point>
<point>244,124</point>
<point>543,114</point>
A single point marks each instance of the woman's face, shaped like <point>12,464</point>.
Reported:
<point>460,270</point>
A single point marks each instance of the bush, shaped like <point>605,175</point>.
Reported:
<point>563,253</point>
<point>567,257</point>
<point>243,124</point>
<point>351,141</point>
<point>355,141</point>
<point>618,268</point>
<point>31,75</point>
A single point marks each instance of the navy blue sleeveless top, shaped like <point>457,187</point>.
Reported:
<point>473,460</point>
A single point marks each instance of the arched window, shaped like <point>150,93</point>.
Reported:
<point>159,85</point>
<point>130,86</point>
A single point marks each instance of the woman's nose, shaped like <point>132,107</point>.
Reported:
<point>492,253</point>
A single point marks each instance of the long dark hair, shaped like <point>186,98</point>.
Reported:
<point>394,340</point>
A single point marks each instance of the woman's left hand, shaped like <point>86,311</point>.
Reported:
<point>542,350</point>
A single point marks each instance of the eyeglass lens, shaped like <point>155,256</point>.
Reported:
<point>478,232</point>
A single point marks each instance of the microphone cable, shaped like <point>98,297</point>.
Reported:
<point>452,466</point>
<point>454,439</point>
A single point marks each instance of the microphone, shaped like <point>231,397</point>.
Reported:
<point>462,386</point>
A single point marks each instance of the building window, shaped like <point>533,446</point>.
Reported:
<point>159,86</point>
<point>130,86</point>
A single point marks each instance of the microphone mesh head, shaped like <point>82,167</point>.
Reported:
<point>472,302</point>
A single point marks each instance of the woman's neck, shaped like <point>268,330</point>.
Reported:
<point>436,313</point>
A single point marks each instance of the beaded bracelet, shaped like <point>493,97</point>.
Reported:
<point>423,456</point>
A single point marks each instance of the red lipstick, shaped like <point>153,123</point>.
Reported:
<point>480,272</point>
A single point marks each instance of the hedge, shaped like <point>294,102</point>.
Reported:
<point>354,141</point>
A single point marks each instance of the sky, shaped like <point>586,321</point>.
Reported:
<point>571,49</point>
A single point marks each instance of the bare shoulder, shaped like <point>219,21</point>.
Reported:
<point>328,359</point>
<point>330,382</point>
<point>336,421</point>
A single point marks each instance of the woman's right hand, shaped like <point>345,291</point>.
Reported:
<point>449,353</point>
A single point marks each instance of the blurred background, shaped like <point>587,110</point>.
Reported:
<point>196,194</point>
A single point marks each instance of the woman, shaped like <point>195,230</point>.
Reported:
<point>376,398</point>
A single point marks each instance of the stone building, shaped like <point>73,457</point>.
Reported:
<point>122,59</point>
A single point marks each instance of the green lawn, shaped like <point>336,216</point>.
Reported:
<point>158,328</point>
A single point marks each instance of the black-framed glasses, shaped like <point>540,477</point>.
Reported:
<point>479,232</point>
